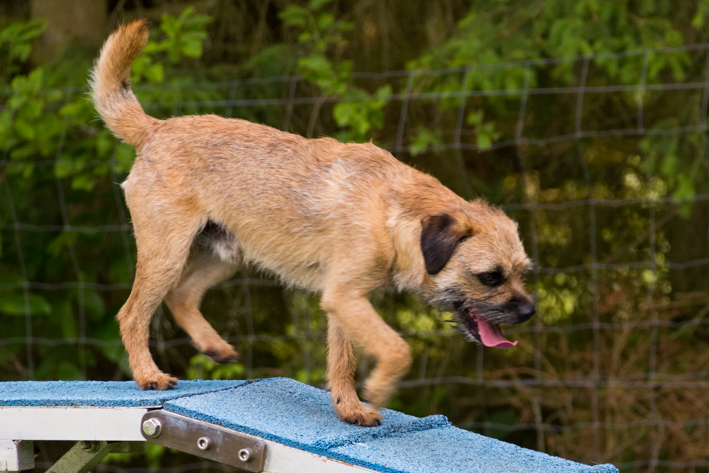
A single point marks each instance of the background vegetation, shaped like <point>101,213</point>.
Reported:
<point>608,179</point>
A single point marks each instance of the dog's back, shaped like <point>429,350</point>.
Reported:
<point>281,195</point>
<point>273,190</point>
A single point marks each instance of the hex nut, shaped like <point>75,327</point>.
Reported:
<point>245,454</point>
<point>152,428</point>
<point>88,446</point>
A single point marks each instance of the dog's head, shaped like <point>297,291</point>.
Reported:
<point>475,269</point>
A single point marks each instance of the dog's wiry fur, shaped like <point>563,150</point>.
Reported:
<point>207,193</point>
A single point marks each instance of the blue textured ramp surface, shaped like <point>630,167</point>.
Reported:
<point>300,416</point>
<point>451,450</point>
<point>292,413</point>
<point>100,393</point>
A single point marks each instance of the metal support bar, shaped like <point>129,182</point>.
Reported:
<point>16,455</point>
<point>204,440</point>
<point>86,454</point>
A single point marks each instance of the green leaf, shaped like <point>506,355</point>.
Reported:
<point>318,4</point>
<point>18,305</point>
<point>94,304</point>
<point>104,143</point>
<point>192,49</point>
<point>84,182</point>
<point>325,20</point>
<point>24,129</point>
<point>125,155</point>
<point>155,73</point>
<point>30,84</point>
<point>65,313</point>
<point>21,52</point>
<point>383,94</point>
<point>475,118</point>
<point>317,66</point>
<point>424,140</point>
<point>483,141</point>
<point>294,15</point>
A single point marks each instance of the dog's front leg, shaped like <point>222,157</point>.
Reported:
<point>352,318</point>
<point>341,367</point>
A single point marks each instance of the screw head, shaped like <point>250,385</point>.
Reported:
<point>152,427</point>
<point>244,454</point>
<point>203,443</point>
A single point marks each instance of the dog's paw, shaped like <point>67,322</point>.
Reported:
<point>361,415</point>
<point>160,382</point>
<point>222,356</point>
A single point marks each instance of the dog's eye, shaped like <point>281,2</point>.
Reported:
<point>491,279</point>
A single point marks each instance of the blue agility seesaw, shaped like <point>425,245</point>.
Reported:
<point>271,425</point>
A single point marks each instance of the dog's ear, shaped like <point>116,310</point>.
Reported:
<point>440,234</point>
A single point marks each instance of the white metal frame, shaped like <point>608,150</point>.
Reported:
<point>19,426</point>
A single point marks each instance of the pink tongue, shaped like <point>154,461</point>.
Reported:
<point>491,335</point>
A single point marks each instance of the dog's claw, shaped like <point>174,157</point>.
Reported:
<point>217,356</point>
<point>228,359</point>
<point>162,382</point>
<point>369,419</point>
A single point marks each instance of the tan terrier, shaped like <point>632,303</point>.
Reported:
<point>341,219</point>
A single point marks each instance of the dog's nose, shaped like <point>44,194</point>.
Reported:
<point>525,311</point>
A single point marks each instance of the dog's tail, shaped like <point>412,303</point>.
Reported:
<point>110,84</point>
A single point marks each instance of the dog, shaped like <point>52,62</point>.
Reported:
<point>207,194</point>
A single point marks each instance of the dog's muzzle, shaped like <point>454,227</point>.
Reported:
<point>477,329</point>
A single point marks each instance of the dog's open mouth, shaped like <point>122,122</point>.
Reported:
<point>477,329</point>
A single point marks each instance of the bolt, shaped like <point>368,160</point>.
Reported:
<point>203,443</point>
<point>244,454</point>
<point>152,428</point>
<point>88,446</point>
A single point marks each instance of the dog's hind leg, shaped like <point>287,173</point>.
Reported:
<point>203,271</point>
<point>163,248</point>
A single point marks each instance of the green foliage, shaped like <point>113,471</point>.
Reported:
<point>20,305</point>
<point>15,45</point>
<point>202,367</point>
<point>424,139</point>
<point>23,116</point>
<point>560,29</point>
<point>184,36</point>
<point>72,137</point>
<point>494,33</point>
<point>357,112</point>
<point>485,131</point>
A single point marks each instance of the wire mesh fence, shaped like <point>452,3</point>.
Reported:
<point>604,169</point>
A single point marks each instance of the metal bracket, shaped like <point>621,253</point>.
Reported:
<point>204,440</point>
